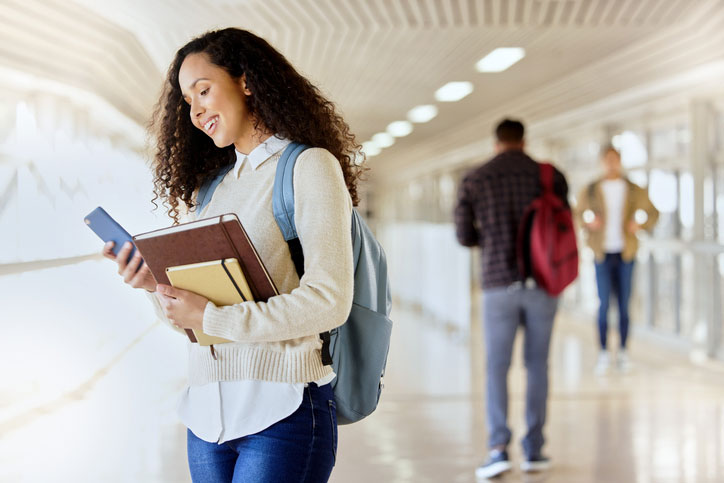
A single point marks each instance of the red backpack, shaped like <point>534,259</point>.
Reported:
<point>547,247</point>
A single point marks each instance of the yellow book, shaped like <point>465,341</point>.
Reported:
<point>220,281</point>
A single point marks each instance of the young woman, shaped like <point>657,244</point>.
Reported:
<point>262,409</point>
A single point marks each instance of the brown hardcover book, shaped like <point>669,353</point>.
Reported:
<point>215,238</point>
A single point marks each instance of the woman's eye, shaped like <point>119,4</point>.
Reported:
<point>204,92</point>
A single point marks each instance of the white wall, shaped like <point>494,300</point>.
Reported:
<point>430,270</point>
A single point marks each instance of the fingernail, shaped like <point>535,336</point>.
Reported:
<point>159,288</point>
<point>109,244</point>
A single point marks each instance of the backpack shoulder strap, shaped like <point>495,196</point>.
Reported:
<point>546,177</point>
<point>206,191</point>
<point>283,192</point>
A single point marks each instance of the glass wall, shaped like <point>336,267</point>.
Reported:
<point>679,267</point>
<point>680,264</point>
<point>56,165</point>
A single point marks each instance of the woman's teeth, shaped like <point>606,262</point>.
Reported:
<point>210,123</point>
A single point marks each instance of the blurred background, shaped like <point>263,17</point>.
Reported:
<point>90,379</point>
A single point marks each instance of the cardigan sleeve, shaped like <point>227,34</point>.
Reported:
<point>323,300</point>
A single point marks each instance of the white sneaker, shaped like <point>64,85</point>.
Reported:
<point>497,464</point>
<point>623,362</point>
<point>536,463</point>
<point>602,363</point>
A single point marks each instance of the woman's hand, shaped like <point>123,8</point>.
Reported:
<point>130,272</point>
<point>183,308</point>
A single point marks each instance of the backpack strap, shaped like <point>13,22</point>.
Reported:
<point>206,191</point>
<point>546,177</point>
<point>283,206</point>
<point>283,198</point>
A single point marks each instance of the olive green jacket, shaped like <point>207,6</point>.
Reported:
<point>591,198</point>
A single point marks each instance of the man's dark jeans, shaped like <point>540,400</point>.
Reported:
<point>613,277</point>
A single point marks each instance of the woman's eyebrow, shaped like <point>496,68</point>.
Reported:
<point>196,81</point>
<point>193,84</point>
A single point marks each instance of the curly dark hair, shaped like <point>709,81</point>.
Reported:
<point>282,101</point>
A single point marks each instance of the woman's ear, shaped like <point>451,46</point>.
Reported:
<point>244,88</point>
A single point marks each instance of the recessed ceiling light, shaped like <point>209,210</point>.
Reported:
<point>500,59</point>
<point>422,113</point>
<point>383,140</point>
<point>371,149</point>
<point>453,91</point>
<point>399,128</point>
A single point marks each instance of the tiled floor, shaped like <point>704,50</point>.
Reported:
<point>95,403</point>
<point>662,422</point>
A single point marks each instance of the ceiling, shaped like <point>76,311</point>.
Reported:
<point>378,58</point>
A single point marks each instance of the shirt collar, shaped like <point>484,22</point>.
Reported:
<point>261,153</point>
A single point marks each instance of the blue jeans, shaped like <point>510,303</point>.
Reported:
<point>504,310</point>
<point>299,448</point>
<point>614,276</point>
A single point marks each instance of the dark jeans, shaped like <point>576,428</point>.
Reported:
<point>299,448</point>
<point>504,310</point>
<point>613,277</point>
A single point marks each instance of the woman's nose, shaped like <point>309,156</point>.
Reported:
<point>196,110</point>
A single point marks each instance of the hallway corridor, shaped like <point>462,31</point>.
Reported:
<point>411,98</point>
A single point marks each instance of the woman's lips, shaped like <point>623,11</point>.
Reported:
<point>210,125</point>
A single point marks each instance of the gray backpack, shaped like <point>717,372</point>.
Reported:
<point>357,350</point>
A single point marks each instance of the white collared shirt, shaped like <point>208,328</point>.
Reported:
<point>259,154</point>
<point>221,411</point>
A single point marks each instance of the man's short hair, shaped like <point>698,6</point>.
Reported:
<point>510,131</point>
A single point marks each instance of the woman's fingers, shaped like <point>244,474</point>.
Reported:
<point>131,271</point>
<point>108,251</point>
<point>122,257</point>
<point>163,300</point>
<point>134,272</point>
<point>141,278</point>
<point>167,304</point>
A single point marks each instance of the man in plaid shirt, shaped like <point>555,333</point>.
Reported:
<point>491,202</point>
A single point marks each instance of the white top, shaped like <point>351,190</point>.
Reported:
<point>614,195</point>
<point>221,411</point>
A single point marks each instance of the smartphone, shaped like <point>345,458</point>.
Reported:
<point>109,229</point>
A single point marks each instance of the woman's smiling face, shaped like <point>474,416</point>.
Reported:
<point>217,101</point>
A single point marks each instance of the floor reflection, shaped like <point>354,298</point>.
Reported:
<point>93,383</point>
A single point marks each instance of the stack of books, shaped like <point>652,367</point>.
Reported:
<point>212,257</point>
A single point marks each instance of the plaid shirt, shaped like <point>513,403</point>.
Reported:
<point>491,202</point>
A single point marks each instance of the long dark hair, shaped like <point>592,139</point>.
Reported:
<point>282,101</point>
